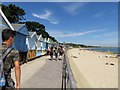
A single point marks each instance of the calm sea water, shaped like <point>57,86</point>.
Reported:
<point>115,50</point>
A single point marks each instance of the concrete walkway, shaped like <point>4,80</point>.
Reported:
<point>41,73</point>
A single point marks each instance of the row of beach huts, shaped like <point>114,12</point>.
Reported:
<point>26,41</point>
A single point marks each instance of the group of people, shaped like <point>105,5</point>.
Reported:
<point>55,51</point>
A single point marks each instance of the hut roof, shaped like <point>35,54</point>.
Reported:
<point>32,34</point>
<point>21,28</point>
<point>16,26</point>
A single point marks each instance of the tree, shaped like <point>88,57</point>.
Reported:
<point>44,33</point>
<point>53,39</point>
<point>39,28</point>
<point>34,26</point>
<point>13,13</point>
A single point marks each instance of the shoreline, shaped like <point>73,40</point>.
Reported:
<point>93,49</point>
<point>92,69</point>
<point>109,54</point>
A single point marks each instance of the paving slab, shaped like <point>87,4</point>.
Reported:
<point>41,73</point>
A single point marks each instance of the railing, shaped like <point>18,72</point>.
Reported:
<point>68,81</point>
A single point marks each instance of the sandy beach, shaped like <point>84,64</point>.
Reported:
<point>93,69</point>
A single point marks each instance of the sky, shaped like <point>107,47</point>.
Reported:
<point>88,23</point>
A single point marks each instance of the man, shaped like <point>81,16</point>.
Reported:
<point>11,60</point>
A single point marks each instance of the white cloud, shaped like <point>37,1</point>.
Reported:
<point>78,33</point>
<point>99,14</point>
<point>55,33</point>
<point>60,34</point>
<point>47,16</point>
<point>108,34</point>
<point>73,7</point>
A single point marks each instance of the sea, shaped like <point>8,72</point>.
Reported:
<point>114,50</point>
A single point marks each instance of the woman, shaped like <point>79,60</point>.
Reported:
<point>51,53</point>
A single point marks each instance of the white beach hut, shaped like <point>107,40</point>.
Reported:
<point>42,44</point>
<point>31,41</point>
<point>39,46</point>
<point>39,42</point>
<point>48,41</point>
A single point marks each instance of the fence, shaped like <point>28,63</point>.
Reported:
<point>68,81</point>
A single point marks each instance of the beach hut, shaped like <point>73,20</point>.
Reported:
<point>38,43</point>
<point>39,47</point>
<point>21,31</point>
<point>46,46</point>
<point>49,44</point>
<point>42,44</point>
<point>20,38</point>
<point>39,50</point>
<point>32,46</point>
<point>4,24</point>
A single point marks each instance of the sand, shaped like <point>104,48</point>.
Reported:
<point>93,69</point>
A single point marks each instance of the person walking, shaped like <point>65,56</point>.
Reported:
<point>56,53</point>
<point>11,60</point>
<point>48,51</point>
<point>51,53</point>
<point>61,51</point>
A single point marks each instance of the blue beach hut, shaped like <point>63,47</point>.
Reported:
<point>20,39</point>
<point>48,45</point>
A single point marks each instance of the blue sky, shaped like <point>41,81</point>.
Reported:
<point>89,23</point>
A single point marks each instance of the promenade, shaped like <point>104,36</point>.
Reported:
<point>41,73</point>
